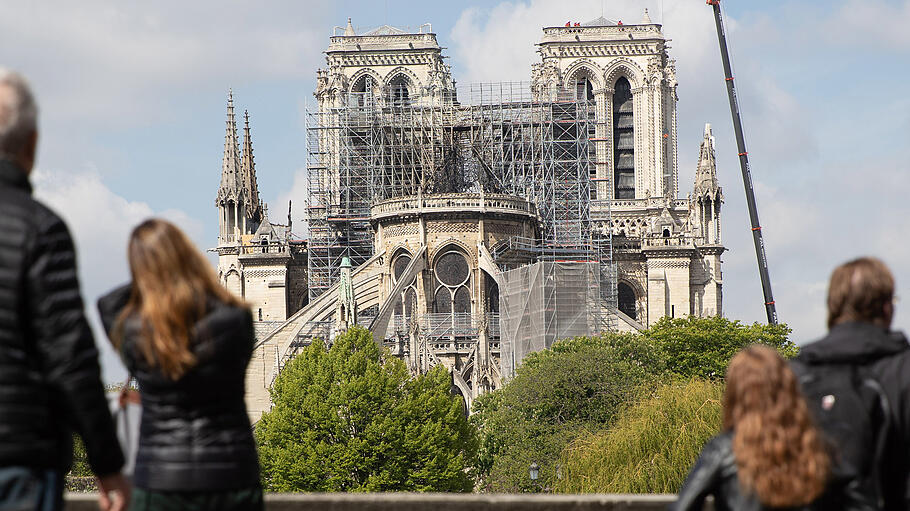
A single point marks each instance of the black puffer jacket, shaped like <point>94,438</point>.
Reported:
<point>50,381</point>
<point>887,355</point>
<point>715,474</point>
<point>195,434</point>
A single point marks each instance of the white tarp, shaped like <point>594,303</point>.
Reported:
<point>543,302</point>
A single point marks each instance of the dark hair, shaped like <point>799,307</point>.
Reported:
<point>171,283</point>
<point>780,456</point>
<point>859,291</point>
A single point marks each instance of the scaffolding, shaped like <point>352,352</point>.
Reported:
<point>506,139</point>
<point>544,302</point>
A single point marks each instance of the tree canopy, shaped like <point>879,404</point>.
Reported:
<point>349,418</point>
<point>578,386</point>
<point>651,446</point>
<point>555,393</point>
<point>702,347</point>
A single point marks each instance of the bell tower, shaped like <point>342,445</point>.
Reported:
<point>626,71</point>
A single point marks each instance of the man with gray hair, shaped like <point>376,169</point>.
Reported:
<point>50,382</point>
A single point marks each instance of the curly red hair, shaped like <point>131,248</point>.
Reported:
<point>780,455</point>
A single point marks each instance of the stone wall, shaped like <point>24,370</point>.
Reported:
<point>436,501</point>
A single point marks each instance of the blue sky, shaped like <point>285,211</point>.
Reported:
<point>133,106</point>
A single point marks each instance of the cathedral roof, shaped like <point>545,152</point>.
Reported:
<point>405,38</point>
<point>387,30</point>
<point>601,22</point>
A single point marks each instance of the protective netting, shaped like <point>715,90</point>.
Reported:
<point>543,302</point>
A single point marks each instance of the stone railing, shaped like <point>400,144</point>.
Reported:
<point>673,241</point>
<point>436,501</point>
<point>272,248</point>
<point>611,31</point>
<point>436,325</point>
<point>454,202</point>
<point>648,203</point>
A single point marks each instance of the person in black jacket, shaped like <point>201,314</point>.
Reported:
<point>50,382</point>
<point>187,340</point>
<point>770,455</point>
<point>860,309</point>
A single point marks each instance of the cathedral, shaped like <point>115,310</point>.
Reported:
<point>469,226</point>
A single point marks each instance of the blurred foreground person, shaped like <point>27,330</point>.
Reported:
<point>857,381</point>
<point>50,381</point>
<point>770,455</point>
<point>187,340</point>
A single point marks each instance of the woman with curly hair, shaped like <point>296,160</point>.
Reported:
<point>770,454</point>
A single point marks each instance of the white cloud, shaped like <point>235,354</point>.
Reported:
<point>100,221</point>
<point>297,194</point>
<point>497,44</point>
<point>112,64</point>
<point>866,23</point>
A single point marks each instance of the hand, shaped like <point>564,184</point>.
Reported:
<point>117,485</point>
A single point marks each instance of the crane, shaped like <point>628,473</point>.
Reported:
<point>757,238</point>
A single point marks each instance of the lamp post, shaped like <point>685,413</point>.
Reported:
<point>534,472</point>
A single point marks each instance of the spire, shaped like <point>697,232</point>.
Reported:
<point>248,170</point>
<point>349,30</point>
<point>706,172</point>
<point>231,183</point>
<point>646,19</point>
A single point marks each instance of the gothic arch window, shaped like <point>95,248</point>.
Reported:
<point>452,289</point>
<point>363,90</point>
<point>627,300</point>
<point>406,307</point>
<point>399,93</point>
<point>492,295</point>
<point>584,95</point>
<point>399,265</point>
<point>584,89</point>
<point>234,284</point>
<point>623,141</point>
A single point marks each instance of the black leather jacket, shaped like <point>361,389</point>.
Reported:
<point>50,382</point>
<point>195,434</point>
<point>715,474</point>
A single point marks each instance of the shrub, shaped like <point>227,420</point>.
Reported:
<point>577,385</point>
<point>651,446</point>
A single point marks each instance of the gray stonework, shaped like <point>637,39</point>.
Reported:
<point>666,249</point>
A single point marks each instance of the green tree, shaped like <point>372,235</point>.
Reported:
<point>651,446</point>
<point>577,385</point>
<point>349,418</point>
<point>702,347</point>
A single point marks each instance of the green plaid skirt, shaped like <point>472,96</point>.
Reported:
<point>249,499</point>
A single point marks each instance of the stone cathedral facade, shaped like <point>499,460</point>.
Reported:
<point>428,285</point>
<point>668,248</point>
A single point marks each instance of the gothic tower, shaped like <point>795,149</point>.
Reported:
<point>386,66</point>
<point>255,256</point>
<point>626,71</point>
<point>668,249</point>
<point>704,209</point>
